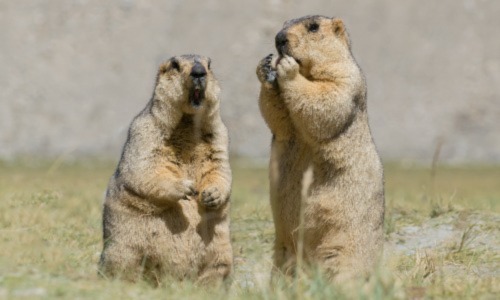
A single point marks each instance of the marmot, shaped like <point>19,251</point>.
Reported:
<point>166,210</point>
<point>323,158</point>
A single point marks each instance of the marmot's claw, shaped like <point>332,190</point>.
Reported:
<point>186,189</point>
<point>269,59</point>
<point>192,191</point>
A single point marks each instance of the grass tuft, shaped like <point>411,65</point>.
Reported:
<point>441,238</point>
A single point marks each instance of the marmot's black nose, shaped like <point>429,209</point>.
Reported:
<point>281,39</point>
<point>198,70</point>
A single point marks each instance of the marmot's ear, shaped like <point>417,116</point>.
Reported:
<point>163,69</point>
<point>340,31</point>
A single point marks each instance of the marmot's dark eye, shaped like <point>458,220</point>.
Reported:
<point>175,65</point>
<point>209,63</point>
<point>313,27</point>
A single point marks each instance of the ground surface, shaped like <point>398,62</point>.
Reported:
<point>443,237</point>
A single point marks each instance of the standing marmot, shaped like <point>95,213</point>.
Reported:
<point>313,99</point>
<point>167,204</point>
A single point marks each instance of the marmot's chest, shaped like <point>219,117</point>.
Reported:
<point>191,144</point>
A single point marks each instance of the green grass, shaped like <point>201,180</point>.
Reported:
<point>50,236</point>
<point>470,187</point>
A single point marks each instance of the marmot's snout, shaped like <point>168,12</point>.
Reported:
<point>198,70</point>
<point>198,75</point>
<point>281,42</point>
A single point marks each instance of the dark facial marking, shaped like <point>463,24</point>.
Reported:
<point>175,64</point>
<point>312,19</point>
<point>313,27</point>
<point>281,42</point>
<point>198,70</point>
<point>198,74</point>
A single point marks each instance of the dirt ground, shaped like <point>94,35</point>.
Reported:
<point>438,247</point>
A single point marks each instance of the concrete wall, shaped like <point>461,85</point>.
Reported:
<point>74,73</point>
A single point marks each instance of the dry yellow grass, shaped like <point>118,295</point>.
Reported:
<point>50,237</point>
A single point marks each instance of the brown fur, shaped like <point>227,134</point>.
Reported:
<point>323,157</point>
<point>167,205</point>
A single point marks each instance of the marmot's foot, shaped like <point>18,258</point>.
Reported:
<point>265,71</point>
<point>287,68</point>
<point>183,189</point>
<point>212,198</point>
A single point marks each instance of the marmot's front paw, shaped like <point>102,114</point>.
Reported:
<point>287,68</point>
<point>184,189</point>
<point>265,71</point>
<point>212,197</point>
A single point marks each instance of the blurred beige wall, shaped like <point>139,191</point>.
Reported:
<point>74,73</point>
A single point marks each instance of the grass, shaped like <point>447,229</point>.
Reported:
<point>50,236</point>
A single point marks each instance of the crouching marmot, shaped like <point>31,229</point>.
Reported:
<point>167,205</point>
<point>323,159</point>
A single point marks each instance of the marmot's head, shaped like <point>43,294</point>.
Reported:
<point>314,41</point>
<point>188,81</point>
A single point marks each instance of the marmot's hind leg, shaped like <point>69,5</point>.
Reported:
<point>121,261</point>
<point>218,261</point>
<point>285,261</point>
<point>337,257</point>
